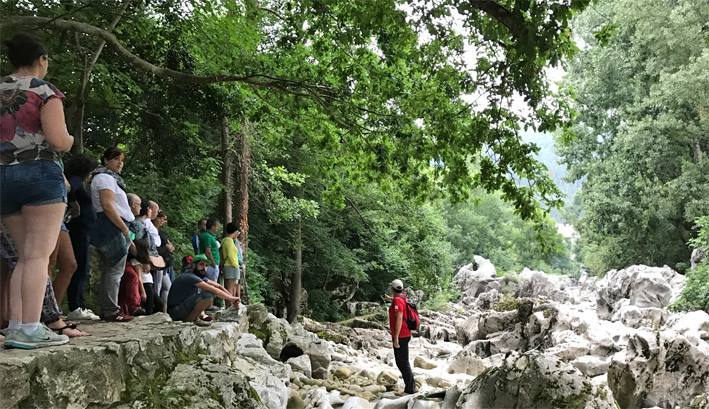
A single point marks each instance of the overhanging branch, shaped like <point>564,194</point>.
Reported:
<point>255,80</point>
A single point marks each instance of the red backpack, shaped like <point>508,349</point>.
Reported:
<point>412,316</point>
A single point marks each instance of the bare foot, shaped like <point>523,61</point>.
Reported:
<point>69,330</point>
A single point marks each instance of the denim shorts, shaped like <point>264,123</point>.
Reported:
<point>36,182</point>
<point>181,311</point>
<point>231,273</point>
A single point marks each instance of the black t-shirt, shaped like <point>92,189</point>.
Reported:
<point>184,286</point>
<point>87,217</point>
<point>162,250</point>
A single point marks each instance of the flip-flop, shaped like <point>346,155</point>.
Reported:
<point>60,331</point>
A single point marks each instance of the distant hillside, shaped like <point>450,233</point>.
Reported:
<point>547,155</point>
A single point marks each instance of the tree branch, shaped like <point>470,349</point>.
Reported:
<point>499,13</point>
<point>255,80</point>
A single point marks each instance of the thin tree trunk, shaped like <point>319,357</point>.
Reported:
<point>243,205</point>
<point>227,171</point>
<point>77,111</point>
<point>296,284</point>
<point>697,150</point>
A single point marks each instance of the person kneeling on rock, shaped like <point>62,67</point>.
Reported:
<point>192,293</point>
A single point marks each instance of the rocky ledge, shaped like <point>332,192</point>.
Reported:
<point>148,363</point>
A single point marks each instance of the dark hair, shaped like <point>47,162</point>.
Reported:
<point>144,205</point>
<point>23,50</point>
<point>211,223</point>
<point>111,153</point>
<point>161,214</point>
<point>79,165</point>
<point>231,228</point>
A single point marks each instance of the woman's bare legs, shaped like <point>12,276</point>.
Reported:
<point>34,231</point>
<point>230,286</point>
<point>67,265</point>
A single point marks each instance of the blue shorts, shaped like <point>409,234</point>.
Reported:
<point>181,311</point>
<point>36,182</point>
<point>231,273</point>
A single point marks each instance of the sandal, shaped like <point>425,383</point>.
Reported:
<point>73,331</point>
<point>60,331</point>
<point>119,317</point>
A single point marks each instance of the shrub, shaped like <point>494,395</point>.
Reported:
<point>695,295</point>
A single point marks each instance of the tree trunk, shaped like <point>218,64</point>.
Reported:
<point>227,171</point>
<point>76,116</point>
<point>697,150</point>
<point>243,205</point>
<point>296,282</point>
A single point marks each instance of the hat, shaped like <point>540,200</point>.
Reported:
<point>397,285</point>
<point>200,257</point>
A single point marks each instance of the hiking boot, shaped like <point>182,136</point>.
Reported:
<point>82,314</point>
<point>39,338</point>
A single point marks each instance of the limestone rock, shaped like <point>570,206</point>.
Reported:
<point>399,403</point>
<point>439,382</point>
<point>355,402</point>
<point>387,378</point>
<point>476,278</point>
<point>319,352</point>
<point>637,317</point>
<point>643,286</point>
<point>467,329</point>
<point>505,341</point>
<point>650,289</point>
<point>694,325</point>
<point>208,385</point>
<point>423,363</point>
<point>301,364</point>
<point>418,403</point>
<point>535,284</point>
<point>295,402</point>
<point>496,321</point>
<point>664,369</point>
<point>591,366</point>
<point>342,372</point>
<point>524,378</point>
<point>487,300</point>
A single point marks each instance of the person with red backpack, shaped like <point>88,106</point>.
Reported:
<point>401,319</point>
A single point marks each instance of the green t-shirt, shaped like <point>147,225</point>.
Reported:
<point>208,240</point>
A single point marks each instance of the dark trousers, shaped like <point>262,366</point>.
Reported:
<point>401,356</point>
<point>149,303</point>
<point>77,286</point>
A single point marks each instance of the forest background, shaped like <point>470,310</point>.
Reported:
<point>358,142</point>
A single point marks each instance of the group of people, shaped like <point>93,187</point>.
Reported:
<point>52,213</point>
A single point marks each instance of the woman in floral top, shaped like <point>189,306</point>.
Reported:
<point>32,190</point>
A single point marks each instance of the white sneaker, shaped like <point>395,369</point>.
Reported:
<point>94,316</point>
<point>80,314</point>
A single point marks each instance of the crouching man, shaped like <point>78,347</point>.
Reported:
<point>192,293</point>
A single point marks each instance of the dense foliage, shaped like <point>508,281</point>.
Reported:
<point>695,295</point>
<point>365,119</point>
<point>641,133</point>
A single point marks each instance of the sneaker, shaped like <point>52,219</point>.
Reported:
<point>93,315</point>
<point>40,338</point>
<point>201,323</point>
<point>81,314</point>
